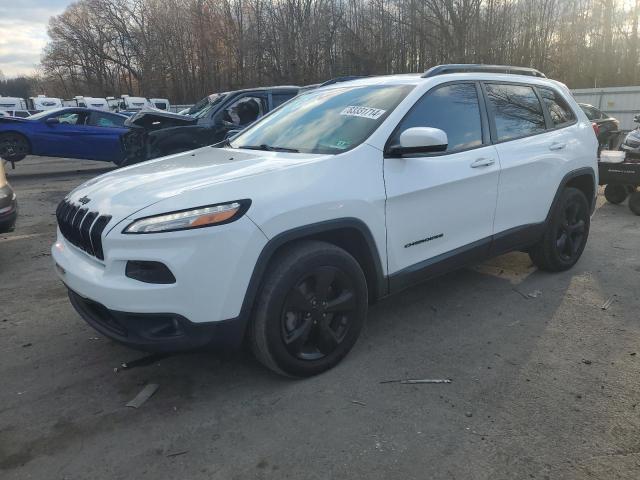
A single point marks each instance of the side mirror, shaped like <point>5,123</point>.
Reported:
<point>636,118</point>
<point>420,140</point>
<point>52,121</point>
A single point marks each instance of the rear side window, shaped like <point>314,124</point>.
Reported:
<point>453,108</point>
<point>99,119</point>
<point>592,113</point>
<point>560,112</point>
<point>516,110</point>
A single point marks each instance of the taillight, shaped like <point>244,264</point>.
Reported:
<point>596,128</point>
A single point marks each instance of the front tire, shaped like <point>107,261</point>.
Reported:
<point>616,194</point>
<point>566,234</point>
<point>13,147</point>
<point>310,310</point>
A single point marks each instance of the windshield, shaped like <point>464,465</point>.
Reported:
<point>204,106</point>
<point>324,121</point>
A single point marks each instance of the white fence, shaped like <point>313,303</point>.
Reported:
<point>619,102</point>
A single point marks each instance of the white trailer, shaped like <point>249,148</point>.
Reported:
<point>87,102</point>
<point>42,102</point>
<point>12,103</point>
<point>133,103</point>
<point>161,103</point>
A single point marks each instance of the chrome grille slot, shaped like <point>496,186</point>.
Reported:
<point>82,227</point>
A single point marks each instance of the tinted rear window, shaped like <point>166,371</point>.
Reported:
<point>516,110</point>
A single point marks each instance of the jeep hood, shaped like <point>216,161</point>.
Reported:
<point>154,119</point>
<point>123,192</point>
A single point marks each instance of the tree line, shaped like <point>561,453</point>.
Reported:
<point>185,49</point>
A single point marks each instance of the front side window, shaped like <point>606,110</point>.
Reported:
<point>516,110</point>
<point>451,108</point>
<point>560,112</point>
<point>329,121</point>
<point>244,111</point>
<point>70,118</point>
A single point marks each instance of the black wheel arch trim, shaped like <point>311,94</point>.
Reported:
<point>380,289</point>
<point>579,172</point>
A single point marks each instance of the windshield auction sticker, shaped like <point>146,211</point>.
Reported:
<point>364,112</point>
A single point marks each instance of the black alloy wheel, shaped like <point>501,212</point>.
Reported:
<point>13,147</point>
<point>566,233</point>
<point>571,231</point>
<point>310,309</point>
<point>317,313</point>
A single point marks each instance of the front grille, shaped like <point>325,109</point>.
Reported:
<point>82,227</point>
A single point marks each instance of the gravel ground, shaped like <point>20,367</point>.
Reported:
<point>545,382</point>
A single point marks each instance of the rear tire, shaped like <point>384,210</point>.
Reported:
<point>310,310</point>
<point>13,147</point>
<point>616,194</point>
<point>566,234</point>
<point>634,202</point>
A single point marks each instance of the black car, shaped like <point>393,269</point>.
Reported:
<point>8,204</point>
<point>210,121</point>
<point>608,126</point>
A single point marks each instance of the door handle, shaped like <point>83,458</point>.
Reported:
<point>557,146</point>
<point>483,162</point>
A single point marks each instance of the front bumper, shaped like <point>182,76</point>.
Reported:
<point>162,332</point>
<point>212,268</point>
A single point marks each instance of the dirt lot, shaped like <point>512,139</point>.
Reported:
<point>545,385</point>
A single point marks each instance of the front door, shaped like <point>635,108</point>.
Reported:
<point>441,206</point>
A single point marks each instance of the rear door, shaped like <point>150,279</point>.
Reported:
<point>442,203</point>
<point>535,146</point>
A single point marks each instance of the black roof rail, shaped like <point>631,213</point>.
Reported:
<point>476,67</point>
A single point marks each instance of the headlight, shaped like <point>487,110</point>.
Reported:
<point>193,218</point>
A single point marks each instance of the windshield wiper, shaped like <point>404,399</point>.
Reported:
<point>224,143</point>
<point>269,148</point>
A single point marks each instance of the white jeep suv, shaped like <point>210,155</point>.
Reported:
<point>348,193</point>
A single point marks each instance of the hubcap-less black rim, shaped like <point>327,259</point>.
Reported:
<point>317,313</point>
<point>12,146</point>
<point>571,232</point>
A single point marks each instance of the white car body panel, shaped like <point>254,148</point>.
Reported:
<point>399,200</point>
<point>439,203</point>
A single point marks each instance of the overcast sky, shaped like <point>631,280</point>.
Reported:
<point>23,32</point>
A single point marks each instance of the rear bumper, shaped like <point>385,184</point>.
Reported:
<point>161,332</point>
<point>8,209</point>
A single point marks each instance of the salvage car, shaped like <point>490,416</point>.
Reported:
<point>158,133</point>
<point>65,132</point>
<point>286,233</point>
<point>8,203</point>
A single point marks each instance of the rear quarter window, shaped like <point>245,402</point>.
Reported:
<point>559,110</point>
